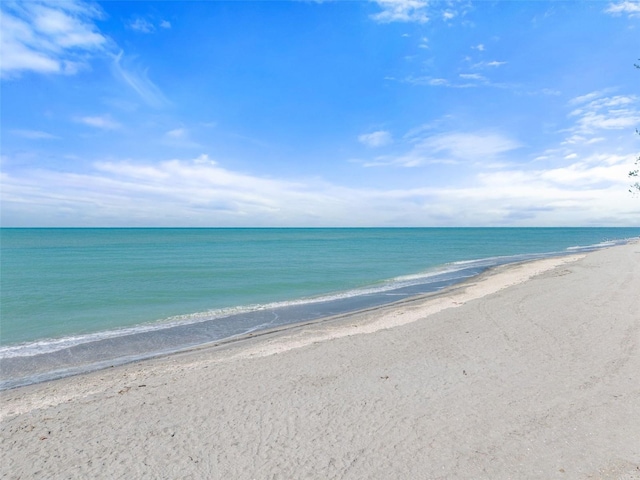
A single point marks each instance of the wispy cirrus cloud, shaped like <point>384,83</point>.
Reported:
<point>470,146</point>
<point>491,64</point>
<point>470,80</point>
<point>180,137</point>
<point>601,131</point>
<point>177,133</point>
<point>595,112</point>
<point>137,78</point>
<point>473,76</point>
<point>102,122</point>
<point>48,36</point>
<point>427,81</point>
<point>462,147</point>
<point>450,148</point>
<point>33,134</point>
<point>587,97</point>
<point>379,138</point>
<point>53,37</point>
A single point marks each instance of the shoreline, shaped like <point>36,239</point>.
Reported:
<point>487,271</point>
<point>115,348</point>
<point>525,371</point>
<point>291,336</point>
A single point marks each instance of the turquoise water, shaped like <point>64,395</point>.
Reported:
<point>61,288</point>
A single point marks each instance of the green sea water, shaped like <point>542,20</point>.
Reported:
<point>62,282</point>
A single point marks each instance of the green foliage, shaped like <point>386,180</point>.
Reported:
<point>634,174</point>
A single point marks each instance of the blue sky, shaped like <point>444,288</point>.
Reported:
<point>335,113</point>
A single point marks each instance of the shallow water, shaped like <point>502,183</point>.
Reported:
<point>79,299</point>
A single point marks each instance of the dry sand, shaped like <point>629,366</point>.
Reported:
<point>532,371</point>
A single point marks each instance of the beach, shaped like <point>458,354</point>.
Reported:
<point>527,371</point>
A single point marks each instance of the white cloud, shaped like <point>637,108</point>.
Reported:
<point>48,36</point>
<point>473,81</point>
<point>177,133</point>
<point>547,91</point>
<point>423,130</point>
<point>594,170</point>
<point>141,25</point>
<point>595,101</point>
<point>592,122</point>
<point>201,192</point>
<point>477,146</point>
<point>589,192</point>
<point>631,8</point>
<point>597,112</point>
<point>493,63</point>
<point>102,122</point>
<point>176,192</point>
<point>137,78</point>
<point>376,139</point>
<point>180,138</point>
<point>33,134</point>
<point>428,81</point>
<point>588,97</point>
<point>402,11</point>
<point>479,47</point>
<point>472,76</point>
<point>447,149</point>
<point>437,81</point>
<point>574,139</point>
<point>417,11</point>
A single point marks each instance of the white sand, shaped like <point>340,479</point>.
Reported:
<point>530,372</point>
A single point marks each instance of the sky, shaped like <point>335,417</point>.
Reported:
<point>319,113</point>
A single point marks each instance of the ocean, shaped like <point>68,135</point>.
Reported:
<point>74,300</point>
